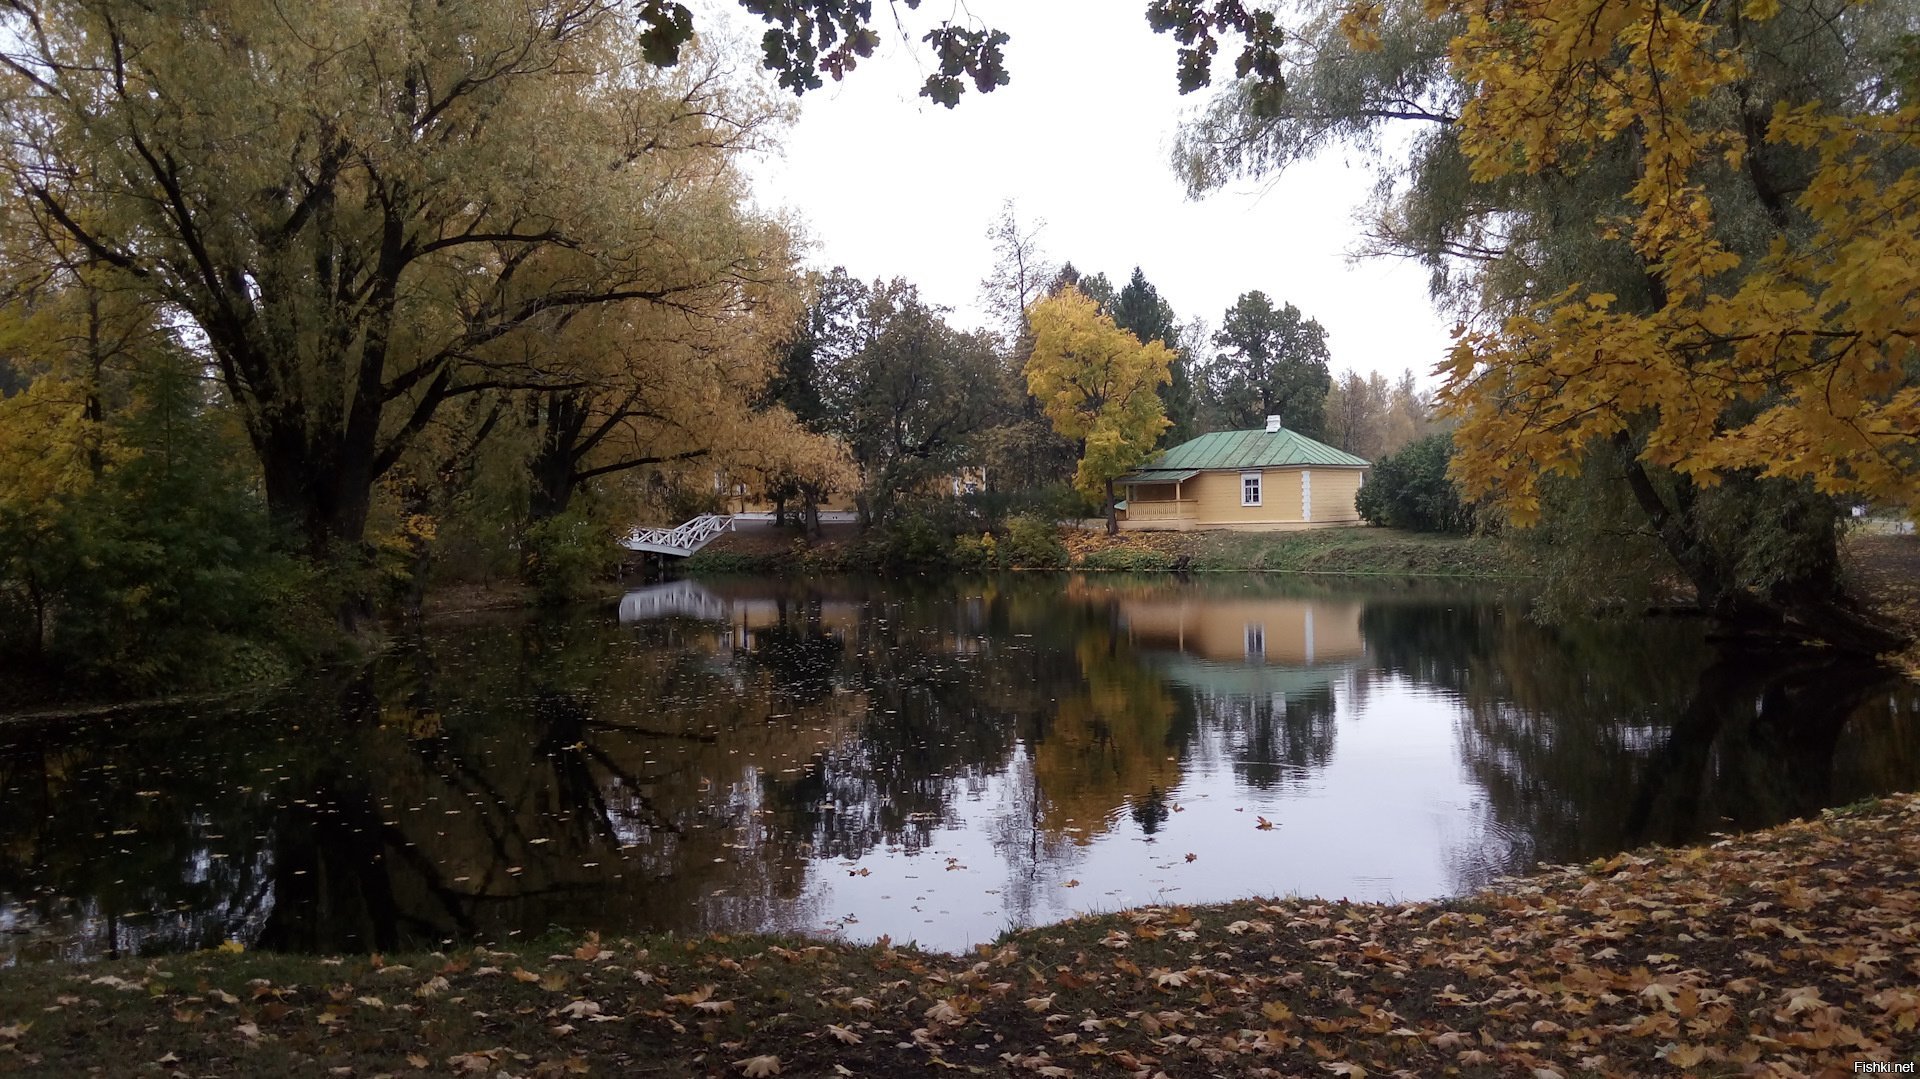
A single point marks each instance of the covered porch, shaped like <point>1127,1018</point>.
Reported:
<point>1158,500</point>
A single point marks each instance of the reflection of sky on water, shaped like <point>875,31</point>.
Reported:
<point>930,762</point>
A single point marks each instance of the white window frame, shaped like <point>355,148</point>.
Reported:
<point>1306,494</point>
<point>1256,638</point>
<point>1250,481</point>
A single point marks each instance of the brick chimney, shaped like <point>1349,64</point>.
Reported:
<point>1273,425</point>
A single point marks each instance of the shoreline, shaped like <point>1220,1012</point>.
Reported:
<point>1786,951</point>
<point>1359,551</point>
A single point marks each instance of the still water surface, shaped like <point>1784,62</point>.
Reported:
<point>930,762</point>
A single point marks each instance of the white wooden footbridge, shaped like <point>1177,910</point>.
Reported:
<point>682,541</point>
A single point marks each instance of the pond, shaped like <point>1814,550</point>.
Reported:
<point>927,761</point>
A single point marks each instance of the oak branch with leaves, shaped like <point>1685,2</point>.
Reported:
<point>1100,386</point>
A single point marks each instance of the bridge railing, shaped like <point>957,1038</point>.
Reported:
<point>684,539</point>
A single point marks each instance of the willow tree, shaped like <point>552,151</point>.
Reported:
<point>1100,387</point>
<point>358,208</point>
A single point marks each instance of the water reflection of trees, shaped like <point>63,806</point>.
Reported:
<point>514,774</point>
<point>1597,737</point>
<point>508,777</point>
<point>1272,739</point>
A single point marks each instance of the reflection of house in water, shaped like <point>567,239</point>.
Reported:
<point>1246,646</point>
<point>1263,671</point>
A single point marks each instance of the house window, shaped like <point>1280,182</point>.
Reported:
<point>1249,488</point>
<point>1256,640</point>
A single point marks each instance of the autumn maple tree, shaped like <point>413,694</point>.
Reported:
<point>1792,357</point>
<point>1100,386</point>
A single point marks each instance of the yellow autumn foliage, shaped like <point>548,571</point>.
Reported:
<point>1799,361</point>
<point>1098,384</point>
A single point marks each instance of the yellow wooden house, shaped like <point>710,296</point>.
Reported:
<point>1269,480</point>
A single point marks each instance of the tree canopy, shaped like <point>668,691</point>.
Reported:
<point>1680,243</point>
<point>1099,386</point>
<point>1272,361</point>
<point>368,211</point>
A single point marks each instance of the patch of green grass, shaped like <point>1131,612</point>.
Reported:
<point>1352,551</point>
<point>1130,560</point>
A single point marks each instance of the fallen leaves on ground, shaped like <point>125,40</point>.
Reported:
<point>1790,952</point>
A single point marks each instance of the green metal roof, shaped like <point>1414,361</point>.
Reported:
<point>1247,449</point>
<point>1158,475</point>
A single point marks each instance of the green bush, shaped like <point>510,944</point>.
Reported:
<point>914,537</point>
<point>1033,542</point>
<point>991,510</point>
<point>977,552</point>
<point>563,556</point>
<point>1410,489</point>
<point>165,572</point>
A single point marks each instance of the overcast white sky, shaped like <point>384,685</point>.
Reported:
<point>889,184</point>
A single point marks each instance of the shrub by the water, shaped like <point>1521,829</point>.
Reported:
<point>1033,542</point>
<point>1410,489</point>
<point>978,552</point>
<point>564,555</point>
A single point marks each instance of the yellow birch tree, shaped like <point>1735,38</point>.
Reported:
<point>1100,386</point>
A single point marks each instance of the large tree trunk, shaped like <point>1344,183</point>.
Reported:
<point>1810,606</point>
<point>322,495</point>
<point>1113,513</point>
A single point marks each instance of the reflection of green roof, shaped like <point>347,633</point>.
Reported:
<point>1243,449</point>
<point>1249,679</point>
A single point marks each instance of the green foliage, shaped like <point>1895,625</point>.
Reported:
<point>1410,489</point>
<point>909,393</point>
<point>921,533</point>
<point>1033,542</point>
<point>564,556</point>
<point>164,571</point>
<point>1056,501</point>
<point>978,552</point>
<point>1272,362</point>
<point>721,563</point>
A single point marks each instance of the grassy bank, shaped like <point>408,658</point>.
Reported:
<point>1360,550</point>
<point>1787,952</point>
